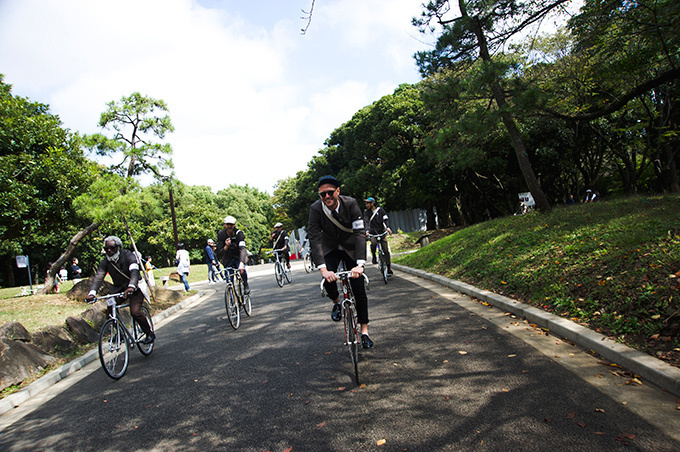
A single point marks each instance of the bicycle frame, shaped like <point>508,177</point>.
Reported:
<point>115,317</point>
<point>349,315</point>
<point>381,254</point>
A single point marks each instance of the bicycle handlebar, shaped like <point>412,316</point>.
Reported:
<point>377,235</point>
<point>342,275</point>
<point>106,297</point>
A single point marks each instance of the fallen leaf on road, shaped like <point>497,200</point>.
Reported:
<point>599,410</point>
<point>511,356</point>
<point>634,381</point>
<point>381,442</point>
<point>341,388</point>
<point>362,386</point>
<point>288,450</point>
<point>548,419</point>
<point>321,424</point>
<point>571,415</point>
<point>582,424</point>
<point>446,361</point>
<point>461,352</point>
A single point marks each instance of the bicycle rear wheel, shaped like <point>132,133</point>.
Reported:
<point>308,263</point>
<point>278,272</point>
<point>232,306</point>
<point>145,349</point>
<point>114,349</point>
<point>352,338</point>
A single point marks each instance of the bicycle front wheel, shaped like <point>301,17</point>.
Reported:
<point>382,266</point>
<point>278,272</point>
<point>145,349</point>
<point>352,338</point>
<point>308,263</point>
<point>114,349</point>
<point>288,273</point>
<point>232,306</point>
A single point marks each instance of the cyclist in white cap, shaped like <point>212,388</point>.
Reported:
<point>231,248</point>
<point>279,240</point>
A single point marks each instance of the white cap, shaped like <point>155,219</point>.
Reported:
<point>278,225</point>
<point>229,219</point>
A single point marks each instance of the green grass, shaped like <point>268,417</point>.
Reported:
<point>613,265</point>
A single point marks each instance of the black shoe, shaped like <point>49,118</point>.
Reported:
<point>389,271</point>
<point>246,289</point>
<point>149,339</point>
<point>375,261</point>
<point>366,341</point>
<point>336,314</point>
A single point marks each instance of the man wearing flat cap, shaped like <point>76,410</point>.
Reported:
<point>279,241</point>
<point>336,234</point>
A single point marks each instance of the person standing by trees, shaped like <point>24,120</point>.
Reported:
<point>336,233</point>
<point>231,248</point>
<point>74,271</point>
<point>149,267</point>
<point>211,261</point>
<point>183,263</point>
<point>279,240</point>
<point>377,222</point>
<point>123,268</point>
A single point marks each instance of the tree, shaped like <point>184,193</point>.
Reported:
<point>42,170</point>
<point>134,124</point>
<point>480,29</point>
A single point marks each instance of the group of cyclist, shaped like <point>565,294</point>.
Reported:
<point>337,232</point>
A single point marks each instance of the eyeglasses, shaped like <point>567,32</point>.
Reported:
<point>328,193</point>
<point>110,248</point>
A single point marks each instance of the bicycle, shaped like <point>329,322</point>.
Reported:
<point>115,338</point>
<point>235,296</point>
<point>349,317</point>
<point>310,266</point>
<point>280,269</point>
<point>382,261</point>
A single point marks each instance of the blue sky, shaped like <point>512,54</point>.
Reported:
<point>252,100</point>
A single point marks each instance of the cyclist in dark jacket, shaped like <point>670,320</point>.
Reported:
<point>231,248</point>
<point>123,267</point>
<point>377,222</point>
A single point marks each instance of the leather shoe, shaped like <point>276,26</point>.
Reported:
<point>246,289</point>
<point>336,314</point>
<point>149,339</point>
<point>366,341</point>
<point>389,271</point>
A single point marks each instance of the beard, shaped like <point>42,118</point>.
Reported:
<point>113,258</point>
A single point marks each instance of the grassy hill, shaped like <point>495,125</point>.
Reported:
<point>613,266</point>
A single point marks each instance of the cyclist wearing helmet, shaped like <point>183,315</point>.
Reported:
<point>231,248</point>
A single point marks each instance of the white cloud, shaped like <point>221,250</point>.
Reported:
<point>251,103</point>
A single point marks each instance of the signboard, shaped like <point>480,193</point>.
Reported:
<point>22,261</point>
<point>527,199</point>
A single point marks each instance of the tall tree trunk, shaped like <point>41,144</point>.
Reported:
<point>533,185</point>
<point>54,269</point>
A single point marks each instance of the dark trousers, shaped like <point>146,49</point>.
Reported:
<point>358,287</point>
<point>136,300</point>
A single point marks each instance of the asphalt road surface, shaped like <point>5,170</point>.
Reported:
<point>440,378</point>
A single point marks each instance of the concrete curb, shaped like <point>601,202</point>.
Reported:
<point>14,400</point>
<point>652,369</point>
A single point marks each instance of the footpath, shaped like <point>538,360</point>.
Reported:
<point>649,368</point>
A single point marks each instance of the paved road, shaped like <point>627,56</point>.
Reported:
<point>282,382</point>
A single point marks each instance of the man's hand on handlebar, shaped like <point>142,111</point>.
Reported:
<point>129,291</point>
<point>357,271</point>
<point>328,275</point>
<point>90,298</point>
